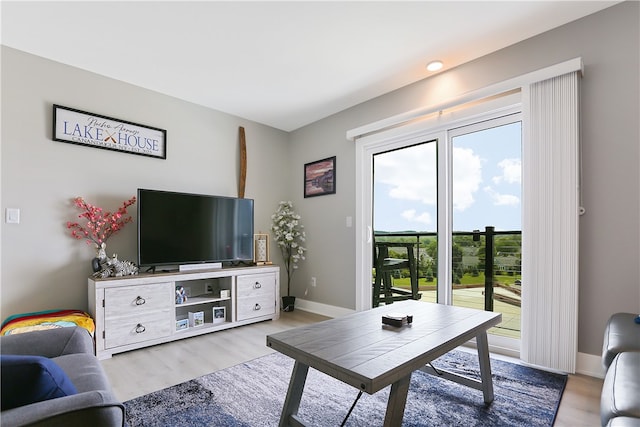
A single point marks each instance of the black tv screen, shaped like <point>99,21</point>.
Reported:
<point>182,228</point>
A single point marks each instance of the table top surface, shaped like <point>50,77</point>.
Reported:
<point>359,350</point>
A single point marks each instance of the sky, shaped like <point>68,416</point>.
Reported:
<point>486,183</point>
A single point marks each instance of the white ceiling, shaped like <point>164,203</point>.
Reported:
<point>284,64</point>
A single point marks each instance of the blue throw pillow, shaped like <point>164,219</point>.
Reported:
<point>30,379</point>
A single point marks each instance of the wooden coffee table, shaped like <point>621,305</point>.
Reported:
<point>360,351</point>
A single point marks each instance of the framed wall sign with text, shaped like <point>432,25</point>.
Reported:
<point>94,130</point>
<point>320,177</point>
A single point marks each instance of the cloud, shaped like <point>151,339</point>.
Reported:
<point>411,174</point>
<point>410,215</point>
<point>502,199</point>
<point>511,172</point>
<point>467,177</point>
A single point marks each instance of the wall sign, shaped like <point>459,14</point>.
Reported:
<point>79,127</point>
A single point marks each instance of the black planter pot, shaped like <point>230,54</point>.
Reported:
<point>288,303</point>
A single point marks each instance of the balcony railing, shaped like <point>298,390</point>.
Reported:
<point>486,270</point>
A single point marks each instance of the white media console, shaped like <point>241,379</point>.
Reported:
<point>138,311</point>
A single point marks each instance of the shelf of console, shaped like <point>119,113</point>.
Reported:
<point>140,311</point>
<point>197,300</point>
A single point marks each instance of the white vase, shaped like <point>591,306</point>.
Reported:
<point>101,256</point>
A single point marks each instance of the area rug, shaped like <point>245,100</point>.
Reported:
<point>252,394</point>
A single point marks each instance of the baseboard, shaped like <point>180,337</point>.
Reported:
<point>322,309</point>
<point>591,365</point>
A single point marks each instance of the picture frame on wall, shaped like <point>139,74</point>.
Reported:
<point>320,177</point>
<point>95,130</point>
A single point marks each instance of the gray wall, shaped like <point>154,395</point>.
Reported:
<point>42,266</point>
<point>608,43</point>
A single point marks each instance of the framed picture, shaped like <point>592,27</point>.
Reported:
<point>219,314</point>
<point>320,177</point>
<point>182,324</point>
<point>261,254</point>
<point>94,130</point>
<point>196,319</point>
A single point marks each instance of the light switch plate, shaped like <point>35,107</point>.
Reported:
<point>12,216</point>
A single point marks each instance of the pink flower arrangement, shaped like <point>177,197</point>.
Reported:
<point>100,225</point>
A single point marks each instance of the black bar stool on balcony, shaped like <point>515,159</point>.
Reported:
<point>383,286</point>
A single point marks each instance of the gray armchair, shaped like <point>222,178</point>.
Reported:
<point>620,398</point>
<point>72,349</point>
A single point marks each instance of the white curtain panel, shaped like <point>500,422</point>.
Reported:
<point>551,206</point>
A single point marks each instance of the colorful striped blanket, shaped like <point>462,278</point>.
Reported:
<point>50,319</point>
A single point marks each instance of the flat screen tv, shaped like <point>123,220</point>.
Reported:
<point>181,228</point>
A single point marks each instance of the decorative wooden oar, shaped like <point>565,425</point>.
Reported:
<point>243,164</point>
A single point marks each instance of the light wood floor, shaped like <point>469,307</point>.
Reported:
<point>146,370</point>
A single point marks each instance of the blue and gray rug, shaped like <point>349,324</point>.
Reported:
<point>252,394</point>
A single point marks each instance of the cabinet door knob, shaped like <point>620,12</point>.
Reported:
<point>140,328</point>
<point>257,307</point>
<point>257,285</point>
<point>140,300</point>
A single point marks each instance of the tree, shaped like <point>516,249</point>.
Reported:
<point>508,245</point>
<point>429,274</point>
<point>456,261</point>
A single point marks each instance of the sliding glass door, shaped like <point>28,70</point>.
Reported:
<point>405,206</point>
<point>452,204</point>
<point>486,251</point>
<point>549,101</point>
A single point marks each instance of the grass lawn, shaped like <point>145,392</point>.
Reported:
<point>467,281</point>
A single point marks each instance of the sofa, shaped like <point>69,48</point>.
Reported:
<point>82,396</point>
<point>620,399</point>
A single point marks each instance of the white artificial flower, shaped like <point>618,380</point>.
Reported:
<point>289,236</point>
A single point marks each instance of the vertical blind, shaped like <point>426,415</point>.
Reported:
<point>550,223</point>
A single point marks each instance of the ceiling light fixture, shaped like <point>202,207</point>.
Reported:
<point>434,65</point>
